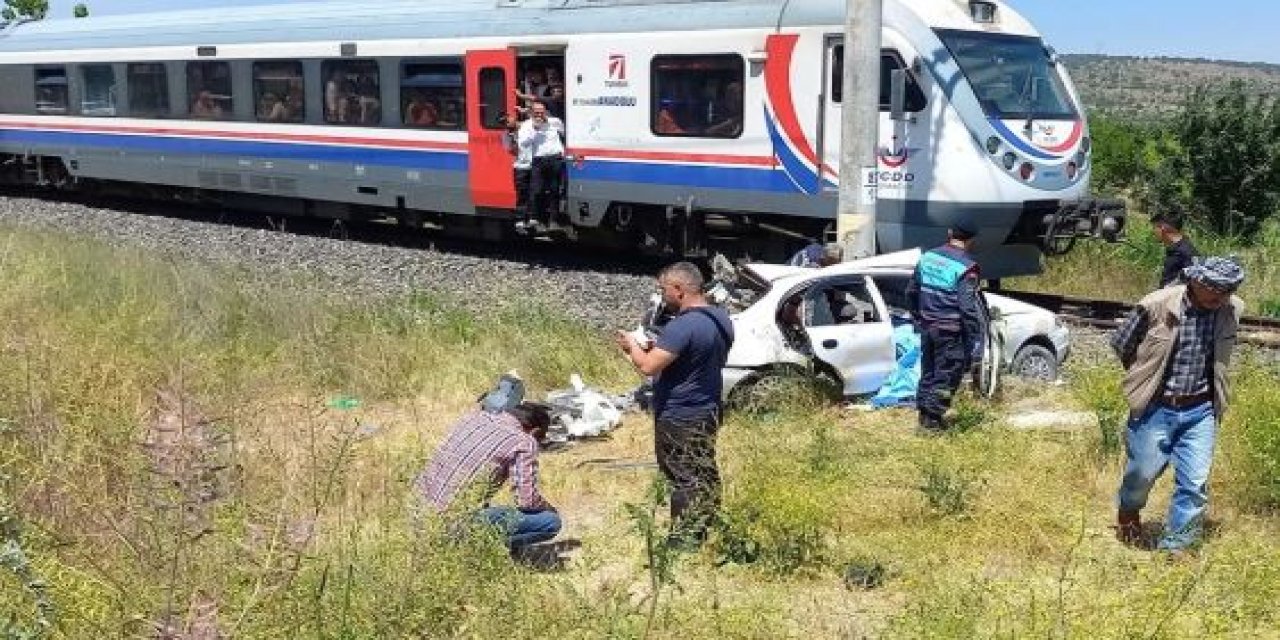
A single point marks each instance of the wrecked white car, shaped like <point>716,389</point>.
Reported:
<point>837,321</point>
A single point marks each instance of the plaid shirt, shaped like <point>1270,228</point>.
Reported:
<point>1188,371</point>
<point>488,448</point>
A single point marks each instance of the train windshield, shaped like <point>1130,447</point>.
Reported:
<point>1013,76</point>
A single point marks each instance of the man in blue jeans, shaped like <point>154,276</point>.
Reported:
<point>687,360</point>
<point>485,448</point>
<point>1176,347</point>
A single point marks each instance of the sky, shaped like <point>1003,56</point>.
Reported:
<point>1222,29</point>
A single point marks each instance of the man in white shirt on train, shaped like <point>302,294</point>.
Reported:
<point>542,136</point>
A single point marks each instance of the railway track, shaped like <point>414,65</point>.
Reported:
<point>1107,314</point>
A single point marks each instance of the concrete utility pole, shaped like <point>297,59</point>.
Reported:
<point>859,129</point>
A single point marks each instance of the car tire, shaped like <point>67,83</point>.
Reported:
<point>768,389</point>
<point>1035,362</point>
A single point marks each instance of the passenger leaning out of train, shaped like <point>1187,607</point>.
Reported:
<point>521,170</point>
<point>204,106</point>
<point>542,137</point>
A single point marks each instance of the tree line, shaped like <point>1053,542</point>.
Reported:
<point>28,10</point>
<point>1217,159</point>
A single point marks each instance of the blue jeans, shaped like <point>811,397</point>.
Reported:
<point>1184,437</point>
<point>522,528</point>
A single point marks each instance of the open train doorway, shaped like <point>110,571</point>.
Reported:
<point>541,92</point>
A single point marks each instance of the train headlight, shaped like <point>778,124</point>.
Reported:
<point>1026,171</point>
<point>1009,160</point>
<point>993,145</point>
<point>1072,169</point>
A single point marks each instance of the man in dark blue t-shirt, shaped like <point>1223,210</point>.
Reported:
<point>687,361</point>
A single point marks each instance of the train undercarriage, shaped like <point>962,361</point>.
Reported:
<point>1048,227</point>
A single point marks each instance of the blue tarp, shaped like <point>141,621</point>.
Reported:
<point>900,389</point>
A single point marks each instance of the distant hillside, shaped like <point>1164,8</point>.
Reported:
<point>1144,88</point>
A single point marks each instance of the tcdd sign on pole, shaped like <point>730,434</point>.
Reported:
<point>859,129</point>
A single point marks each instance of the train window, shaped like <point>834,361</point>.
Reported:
<point>432,96</point>
<point>148,90</point>
<point>351,92</point>
<point>209,89</point>
<point>889,62</point>
<point>697,96</point>
<point>99,96</point>
<point>277,91</point>
<point>51,91</point>
<point>493,97</point>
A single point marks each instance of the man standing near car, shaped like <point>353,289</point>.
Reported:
<point>687,360</point>
<point>943,293</point>
<point>1175,348</point>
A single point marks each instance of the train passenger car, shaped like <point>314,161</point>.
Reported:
<point>690,124</point>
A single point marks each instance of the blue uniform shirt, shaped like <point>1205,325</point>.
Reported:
<point>944,294</point>
<point>690,387</point>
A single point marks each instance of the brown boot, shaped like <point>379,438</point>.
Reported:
<point>1129,527</point>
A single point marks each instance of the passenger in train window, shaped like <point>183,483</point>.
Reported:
<point>421,112</point>
<point>534,85</point>
<point>666,123</point>
<point>555,101</point>
<point>451,114</point>
<point>728,115</point>
<point>552,75</point>
<point>294,109</point>
<point>205,107</point>
<point>367,101</point>
<point>335,101</point>
<point>273,109</point>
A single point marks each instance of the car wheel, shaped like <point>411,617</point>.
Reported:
<point>783,386</point>
<point>1035,362</point>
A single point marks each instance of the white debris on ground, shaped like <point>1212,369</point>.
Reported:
<point>581,412</point>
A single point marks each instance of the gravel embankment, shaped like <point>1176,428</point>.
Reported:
<point>603,298</point>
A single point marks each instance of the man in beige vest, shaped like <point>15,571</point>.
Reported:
<point>1175,348</point>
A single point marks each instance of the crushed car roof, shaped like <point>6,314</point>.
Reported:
<point>896,260</point>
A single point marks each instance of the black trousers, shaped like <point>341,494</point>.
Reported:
<point>522,178</point>
<point>686,452</point>
<point>944,359</point>
<point>544,186</point>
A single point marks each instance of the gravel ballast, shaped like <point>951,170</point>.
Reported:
<point>608,297</point>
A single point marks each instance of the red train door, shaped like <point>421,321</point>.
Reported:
<point>491,79</point>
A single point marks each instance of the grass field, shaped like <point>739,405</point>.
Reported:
<point>170,463</point>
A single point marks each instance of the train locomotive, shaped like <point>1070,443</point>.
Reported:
<point>691,126</point>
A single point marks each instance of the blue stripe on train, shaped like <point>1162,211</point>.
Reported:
<point>740,178</point>
<point>441,160</point>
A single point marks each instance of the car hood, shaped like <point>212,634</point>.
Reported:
<point>1011,307</point>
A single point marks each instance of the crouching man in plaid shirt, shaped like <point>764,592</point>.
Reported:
<point>482,451</point>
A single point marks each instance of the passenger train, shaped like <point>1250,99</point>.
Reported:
<point>689,124</point>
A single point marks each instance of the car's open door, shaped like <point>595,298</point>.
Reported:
<point>848,329</point>
<point>986,378</point>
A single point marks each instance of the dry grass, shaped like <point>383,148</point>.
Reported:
<point>304,509</point>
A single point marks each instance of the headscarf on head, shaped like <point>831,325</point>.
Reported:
<point>1222,273</point>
